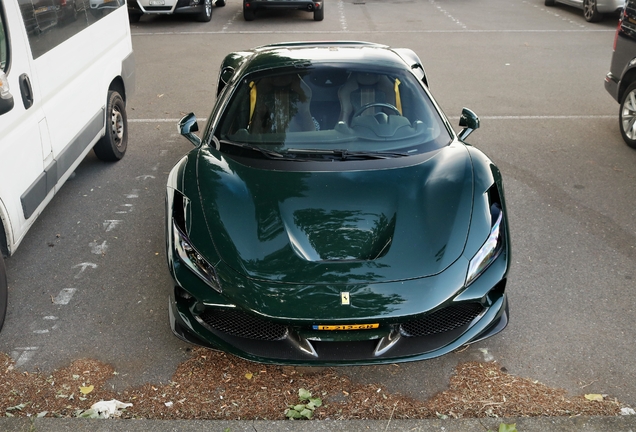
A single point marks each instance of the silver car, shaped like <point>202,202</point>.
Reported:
<point>593,10</point>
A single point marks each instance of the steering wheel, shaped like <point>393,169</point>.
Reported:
<point>363,108</point>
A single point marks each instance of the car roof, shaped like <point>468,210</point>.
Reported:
<point>302,54</point>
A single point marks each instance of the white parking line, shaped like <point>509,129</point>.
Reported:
<point>330,32</point>
<point>512,117</point>
<point>343,18</point>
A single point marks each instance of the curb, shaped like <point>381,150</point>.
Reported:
<point>524,424</point>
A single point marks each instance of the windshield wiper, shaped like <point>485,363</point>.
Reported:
<point>269,154</point>
<point>344,154</point>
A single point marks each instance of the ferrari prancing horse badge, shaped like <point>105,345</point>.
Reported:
<point>344,298</point>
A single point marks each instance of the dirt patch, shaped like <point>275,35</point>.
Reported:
<point>213,385</point>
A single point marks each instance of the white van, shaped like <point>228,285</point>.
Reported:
<point>65,76</point>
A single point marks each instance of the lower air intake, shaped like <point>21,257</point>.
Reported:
<point>443,320</point>
<point>240,324</point>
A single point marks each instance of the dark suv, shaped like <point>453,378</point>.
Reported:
<point>316,6</point>
<point>620,82</point>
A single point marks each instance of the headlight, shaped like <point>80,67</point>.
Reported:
<point>490,249</point>
<point>193,259</point>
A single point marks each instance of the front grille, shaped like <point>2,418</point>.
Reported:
<point>443,320</point>
<point>241,324</point>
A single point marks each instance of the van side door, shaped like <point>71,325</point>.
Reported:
<point>24,137</point>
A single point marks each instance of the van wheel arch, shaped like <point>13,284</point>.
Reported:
<point>4,291</point>
<point>4,245</point>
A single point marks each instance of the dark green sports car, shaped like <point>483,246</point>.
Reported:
<point>330,215</point>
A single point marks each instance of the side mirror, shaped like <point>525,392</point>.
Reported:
<point>187,126</point>
<point>469,121</point>
<point>6,99</point>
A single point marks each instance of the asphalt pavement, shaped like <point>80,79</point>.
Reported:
<point>533,74</point>
<point>526,424</point>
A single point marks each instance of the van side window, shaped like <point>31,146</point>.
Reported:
<point>4,47</point>
<point>50,22</point>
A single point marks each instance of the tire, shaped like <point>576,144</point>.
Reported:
<point>248,14</point>
<point>627,116</point>
<point>4,292</point>
<point>206,15</point>
<point>73,12</point>
<point>590,12</point>
<point>134,17</point>
<point>549,2</point>
<point>219,3</point>
<point>112,146</point>
<point>319,14</point>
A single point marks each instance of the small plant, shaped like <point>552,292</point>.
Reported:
<point>305,409</point>
<point>503,427</point>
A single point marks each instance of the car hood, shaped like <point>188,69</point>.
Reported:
<point>405,221</point>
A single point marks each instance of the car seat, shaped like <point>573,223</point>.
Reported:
<point>363,88</point>
<point>280,104</point>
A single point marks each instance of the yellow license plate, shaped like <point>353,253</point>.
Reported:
<point>347,327</point>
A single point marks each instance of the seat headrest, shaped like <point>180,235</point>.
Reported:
<point>367,79</point>
<point>282,80</point>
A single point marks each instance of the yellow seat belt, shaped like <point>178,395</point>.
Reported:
<point>252,100</point>
<point>398,100</point>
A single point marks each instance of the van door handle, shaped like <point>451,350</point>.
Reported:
<point>26,90</point>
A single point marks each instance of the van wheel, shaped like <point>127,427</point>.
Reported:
<point>206,15</point>
<point>627,116</point>
<point>319,14</point>
<point>112,146</point>
<point>219,3</point>
<point>549,2</point>
<point>4,291</point>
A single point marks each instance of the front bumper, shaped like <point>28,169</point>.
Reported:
<point>169,7</point>
<point>611,85</point>
<point>610,6</point>
<point>471,314</point>
<point>309,6</point>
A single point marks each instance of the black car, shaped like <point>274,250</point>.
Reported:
<point>251,6</point>
<point>620,82</point>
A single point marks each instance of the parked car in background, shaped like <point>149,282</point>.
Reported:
<point>317,7</point>
<point>329,214</point>
<point>201,9</point>
<point>620,81</point>
<point>593,10</point>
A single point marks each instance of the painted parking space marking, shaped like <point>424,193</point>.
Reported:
<point>343,18</point>
<point>64,296</point>
<point>144,177</point>
<point>418,31</point>
<point>22,355</point>
<point>128,209</point>
<point>111,224</point>
<point>49,318</point>
<point>133,194</point>
<point>508,117</point>
<point>98,249</point>
<point>83,266</point>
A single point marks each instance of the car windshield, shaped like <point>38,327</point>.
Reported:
<point>328,112</point>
